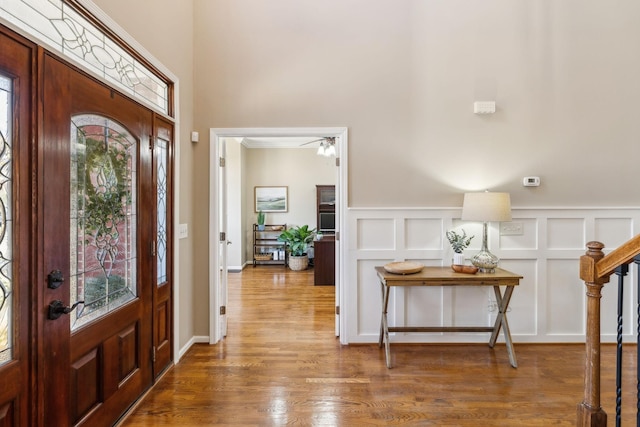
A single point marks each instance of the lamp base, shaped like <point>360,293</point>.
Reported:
<point>485,261</point>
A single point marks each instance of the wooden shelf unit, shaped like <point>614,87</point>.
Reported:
<point>266,247</point>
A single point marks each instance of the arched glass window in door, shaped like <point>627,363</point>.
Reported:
<point>6,209</point>
<point>103,216</point>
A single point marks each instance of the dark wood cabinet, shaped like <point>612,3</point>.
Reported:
<point>324,263</point>
<point>326,208</point>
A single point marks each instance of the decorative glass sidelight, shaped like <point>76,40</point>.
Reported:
<point>103,217</point>
<point>6,221</point>
<point>161,172</point>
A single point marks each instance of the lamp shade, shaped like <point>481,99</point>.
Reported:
<point>486,207</point>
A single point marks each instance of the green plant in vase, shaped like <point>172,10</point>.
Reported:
<point>459,242</point>
<point>297,240</point>
<point>261,218</point>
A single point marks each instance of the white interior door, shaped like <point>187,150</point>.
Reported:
<point>224,242</point>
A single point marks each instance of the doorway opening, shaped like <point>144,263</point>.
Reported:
<point>218,214</point>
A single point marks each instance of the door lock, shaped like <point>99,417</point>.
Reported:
<point>57,309</point>
<point>55,279</point>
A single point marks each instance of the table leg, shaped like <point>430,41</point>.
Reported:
<point>501,321</point>
<point>384,326</point>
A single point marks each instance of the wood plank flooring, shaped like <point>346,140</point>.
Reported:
<point>281,365</point>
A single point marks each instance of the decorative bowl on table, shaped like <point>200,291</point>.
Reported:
<point>403,267</point>
<point>467,269</point>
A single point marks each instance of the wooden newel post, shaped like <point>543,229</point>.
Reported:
<point>590,413</point>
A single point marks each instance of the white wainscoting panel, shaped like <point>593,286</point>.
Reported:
<point>549,304</point>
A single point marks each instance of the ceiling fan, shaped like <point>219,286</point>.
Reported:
<point>327,146</point>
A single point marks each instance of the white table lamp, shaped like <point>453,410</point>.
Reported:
<point>486,207</point>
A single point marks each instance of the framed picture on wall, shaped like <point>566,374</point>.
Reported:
<point>271,199</point>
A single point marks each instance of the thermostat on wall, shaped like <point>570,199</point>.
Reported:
<point>531,181</point>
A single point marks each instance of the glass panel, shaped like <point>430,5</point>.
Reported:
<point>103,217</point>
<point>6,208</point>
<point>57,26</point>
<point>161,172</point>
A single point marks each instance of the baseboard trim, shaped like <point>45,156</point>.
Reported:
<point>194,340</point>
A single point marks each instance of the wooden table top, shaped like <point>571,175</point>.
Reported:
<point>445,276</point>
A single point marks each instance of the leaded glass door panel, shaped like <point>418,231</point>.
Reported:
<point>163,289</point>
<point>103,217</point>
<point>15,197</point>
<point>98,236</point>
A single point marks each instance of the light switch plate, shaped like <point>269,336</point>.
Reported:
<point>183,231</point>
<point>511,229</point>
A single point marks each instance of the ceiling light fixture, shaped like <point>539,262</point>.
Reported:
<point>327,146</point>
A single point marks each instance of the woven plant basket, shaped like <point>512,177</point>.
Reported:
<point>298,263</point>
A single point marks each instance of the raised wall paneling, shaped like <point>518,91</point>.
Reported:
<point>524,305</point>
<point>376,234</point>
<point>565,298</point>
<point>565,233</point>
<point>423,234</point>
<point>549,304</point>
<point>527,240</point>
<point>368,299</point>
<point>613,231</point>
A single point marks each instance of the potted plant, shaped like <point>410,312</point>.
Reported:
<point>297,241</point>
<point>260,220</point>
<point>459,242</point>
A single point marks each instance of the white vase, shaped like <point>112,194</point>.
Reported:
<point>458,259</point>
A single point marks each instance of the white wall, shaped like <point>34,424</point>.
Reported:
<point>403,76</point>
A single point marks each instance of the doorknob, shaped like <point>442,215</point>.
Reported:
<point>57,309</point>
<point>228,242</point>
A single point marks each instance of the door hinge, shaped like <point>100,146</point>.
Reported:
<point>153,248</point>
<point>153,354</point>
<point>222,162</point>
<point>337,236</point>
<point>337,161</point>
<point>151,143</point>
<point>223,310</point>
<point>223,236</point>
<point>337,310</point>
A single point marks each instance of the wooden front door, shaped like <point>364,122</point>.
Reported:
<point>98,240</point>
<point>15,222</point>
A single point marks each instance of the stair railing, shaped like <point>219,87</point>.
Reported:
<point>595,270</point>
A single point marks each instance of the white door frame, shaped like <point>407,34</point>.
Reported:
<point>215,136</point>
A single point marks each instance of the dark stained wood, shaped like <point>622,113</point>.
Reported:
<point>163,292</point>
<point>595,270</point>
<point>16,62</point>
<point>282,365</point>
<point>121,341</point>
<point>324,261</point>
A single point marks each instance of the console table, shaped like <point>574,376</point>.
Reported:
<point>445,276</point>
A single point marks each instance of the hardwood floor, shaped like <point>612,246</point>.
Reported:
<point>282,365</point>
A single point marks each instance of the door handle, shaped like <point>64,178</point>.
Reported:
<point>57,309</point>
<point>228,242</point>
